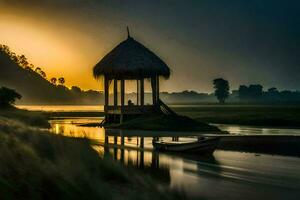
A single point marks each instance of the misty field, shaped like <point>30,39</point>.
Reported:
<point>256,115</point>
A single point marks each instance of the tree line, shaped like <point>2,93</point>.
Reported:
<point>22,61</point>
<point>252,93</point>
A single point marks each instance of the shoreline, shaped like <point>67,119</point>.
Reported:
<point>78,114</point>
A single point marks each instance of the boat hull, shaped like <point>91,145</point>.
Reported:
<point>206,146</point>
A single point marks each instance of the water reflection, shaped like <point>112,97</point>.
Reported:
<point>251,130</point>
<point>226,175</point>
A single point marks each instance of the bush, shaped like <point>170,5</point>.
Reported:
<point>8,97</point>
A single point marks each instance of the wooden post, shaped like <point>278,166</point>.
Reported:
<point>142,142</point>
<point>122,93</point>
<point>157,89</point>
<point>115,140</point>
<point>106,92</point>
<point>137,92</point>
<point>153,85</point>
<point>115,93</point>
<point>142,91</point>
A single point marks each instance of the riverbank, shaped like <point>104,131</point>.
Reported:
<point>285,116</point>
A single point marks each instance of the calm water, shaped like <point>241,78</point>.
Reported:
<point>86,108</point>
<point>62,108</point>
<point>252,130</point>
<point>225,175</point>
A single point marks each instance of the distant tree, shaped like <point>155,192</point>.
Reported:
<point>38,70</point>
<point>243,92</point>
<point>61,80</point>
<point>22,60</point>
<point>273,90</point>
<point>221,89</point>
<point>255,91</point>
<point>53,80</point>
<point>8,97</point>
<point>5,49</point>
<point>252,92</point>
<point>75,89</point>
<point>43,74</point>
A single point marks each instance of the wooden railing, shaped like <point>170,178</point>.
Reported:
<point>132,109</point>
<point>165,109</point>
<point>138,109</point>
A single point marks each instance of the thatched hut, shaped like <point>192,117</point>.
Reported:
<point>130,60</point>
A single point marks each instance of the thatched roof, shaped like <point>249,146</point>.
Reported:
<point>131,60</point>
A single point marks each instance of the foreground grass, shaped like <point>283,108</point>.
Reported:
<point>36,164</point>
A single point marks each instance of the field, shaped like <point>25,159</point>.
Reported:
<point>257,115</point>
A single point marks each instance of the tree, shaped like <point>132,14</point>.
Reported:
<point>43,74</point>
<point>61,80</point>
<point>53,80</point>
<point>255,91</point>
<point>273,90</point>
<point>8,97</point>
<point>76,89</point>
<point>221,89</point>
<point>38,70</point>
<point>252,92</point>
<point>243,92</point>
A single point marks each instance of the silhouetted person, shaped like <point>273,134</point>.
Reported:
<point>130,103</point>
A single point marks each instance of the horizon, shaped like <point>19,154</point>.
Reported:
<point>68,39</point>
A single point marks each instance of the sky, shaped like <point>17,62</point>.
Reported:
<point>244,42</point>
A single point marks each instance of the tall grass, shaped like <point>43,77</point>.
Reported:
<point>31,118</point>
<point>36,164</point>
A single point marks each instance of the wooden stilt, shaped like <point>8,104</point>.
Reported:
<point>137,92</point>
<point>106,93</point>
<point>142,91</point>
<point>122,99</point>
<point>122,93</point>
<point>154,93</point>
<point>115,92</point>
<point>142,142</point>
<point>157,88</point>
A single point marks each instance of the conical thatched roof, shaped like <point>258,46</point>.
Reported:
<point>131,60</point>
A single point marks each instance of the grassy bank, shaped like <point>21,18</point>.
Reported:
<point>256,115</point>
<point>31,118</point>
<point>160,122</point>
<point>36,164</point>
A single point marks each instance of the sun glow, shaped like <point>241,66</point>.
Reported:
<point>49,49</point>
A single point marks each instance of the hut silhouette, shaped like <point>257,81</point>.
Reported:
<point>130,60</point>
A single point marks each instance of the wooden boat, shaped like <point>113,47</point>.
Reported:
<point>202,146</point>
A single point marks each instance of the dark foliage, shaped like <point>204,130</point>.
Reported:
<point>8,97</point>
<point>251,92</point>
<point>221,89</point>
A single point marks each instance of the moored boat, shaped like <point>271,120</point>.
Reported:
<point>202,146</point>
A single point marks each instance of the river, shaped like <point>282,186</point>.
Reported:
<point>225,175</point>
